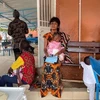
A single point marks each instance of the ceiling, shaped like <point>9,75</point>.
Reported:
<point>27,9</point>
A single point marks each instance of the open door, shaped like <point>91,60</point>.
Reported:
<point>45,10</point>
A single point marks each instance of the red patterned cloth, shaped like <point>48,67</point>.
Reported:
<point>28,69</point>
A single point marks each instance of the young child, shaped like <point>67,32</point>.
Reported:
<point>55,47</point>
<point>26,63</point>
<point>88,77</point>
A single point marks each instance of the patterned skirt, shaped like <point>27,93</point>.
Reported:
<point>51,80</point>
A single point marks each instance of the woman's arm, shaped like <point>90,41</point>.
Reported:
<point>18,77</point>
<point>19,62</point>
<point>61,51</point>
<point>45,46</point>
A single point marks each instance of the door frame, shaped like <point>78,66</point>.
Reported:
<point>41,28</point>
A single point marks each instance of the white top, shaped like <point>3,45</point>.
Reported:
<point>88,75</point>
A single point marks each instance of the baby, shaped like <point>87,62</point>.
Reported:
<point>54,46</point>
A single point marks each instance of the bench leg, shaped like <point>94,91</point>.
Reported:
<point>9,52</point>
<point>3,53</point>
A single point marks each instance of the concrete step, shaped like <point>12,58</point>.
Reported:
<point>67,94</point>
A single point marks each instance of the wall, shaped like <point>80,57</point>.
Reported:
<point>33,32</point>
<point>67,11</point>
<point>91,20</point>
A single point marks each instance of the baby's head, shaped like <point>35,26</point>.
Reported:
<point>87,60</point>
<point>57,36</point>
<point>24,45</point>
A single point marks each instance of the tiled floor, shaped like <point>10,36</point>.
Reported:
<point>5,63</point>
<point>67,94</point>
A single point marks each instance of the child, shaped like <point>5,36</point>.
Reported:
<point>88,77</point>
<point>26,63</point>
<point>55,47</point>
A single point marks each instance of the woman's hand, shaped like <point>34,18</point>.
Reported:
<point>47,55</point>
<point>61,51</point>
<point>45,47</point>
<point>18,78</point>
<point>56,54</point>
<point>19,82</point>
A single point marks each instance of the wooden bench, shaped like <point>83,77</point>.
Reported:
<point>72,71</point>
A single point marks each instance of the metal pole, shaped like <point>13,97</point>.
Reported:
<point>38,29</point>
<point>80,18</point>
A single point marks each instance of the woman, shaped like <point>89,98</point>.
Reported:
<point>26,65</point>
<point>51,81</point>
<point>55,27</point>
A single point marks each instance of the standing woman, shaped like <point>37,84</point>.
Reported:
<point>55,27</point>
<point>51,78</point>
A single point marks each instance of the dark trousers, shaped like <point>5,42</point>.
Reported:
<point>17,52</point>
<point>9,81</point>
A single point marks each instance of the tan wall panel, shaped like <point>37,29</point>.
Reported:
<point>67,11</point>
<point>90,20</point>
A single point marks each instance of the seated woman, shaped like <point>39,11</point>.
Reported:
<point>26,63</point>
<point>54,27</point>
